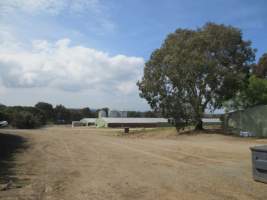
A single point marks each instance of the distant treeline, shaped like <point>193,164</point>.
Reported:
<point>143,114</point>
<point>42,113</point>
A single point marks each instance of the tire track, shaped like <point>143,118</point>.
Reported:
<point>181,152</point>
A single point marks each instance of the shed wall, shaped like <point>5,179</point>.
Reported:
<point>133,125</point>
<point>252,120</point>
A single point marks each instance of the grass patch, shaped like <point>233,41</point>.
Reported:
<point>163,132</point>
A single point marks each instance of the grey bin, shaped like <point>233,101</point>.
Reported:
<point>259,163</point>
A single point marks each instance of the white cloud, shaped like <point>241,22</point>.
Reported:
<point>2,89</point>
<point>127,87</point>
<point>32,6</point>
<point>58,72</point>
<point>92,13</point>
<point>50,6</point>
<point>70,68</point>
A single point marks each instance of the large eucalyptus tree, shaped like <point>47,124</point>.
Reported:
<point>196,69</point>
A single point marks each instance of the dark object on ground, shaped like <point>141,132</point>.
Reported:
<point>126,130</point>
<point>9,145</point>
<point>259,163</point>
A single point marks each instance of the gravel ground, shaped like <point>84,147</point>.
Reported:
<point>87,163</point>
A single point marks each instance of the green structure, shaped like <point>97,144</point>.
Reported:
<point>252,120</point>
<point>101,123</point>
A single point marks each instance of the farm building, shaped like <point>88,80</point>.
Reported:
<point>130,122</point>
<point>84,122</point>
<point>88,121</point>
<point>102,113</point>
<point>115,113</point>
<point>251,121</point>
<point>211,121</point>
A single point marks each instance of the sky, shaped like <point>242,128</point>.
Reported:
<point>91,53</point>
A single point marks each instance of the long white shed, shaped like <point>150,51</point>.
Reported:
<point>130,122</point>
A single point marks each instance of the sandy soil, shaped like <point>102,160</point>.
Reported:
<point>88,163</point>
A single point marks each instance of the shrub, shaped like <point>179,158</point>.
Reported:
<point>25,120</point>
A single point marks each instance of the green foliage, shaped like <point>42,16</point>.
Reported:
<point>260,70</point>
<point>47,109</point>
<point>21,116</point>
<point>151,114</point>
<point>86,112</point>
<point>196,69</point>
<point>25,120</point>
<point>252,94</point>
<point>3,116</point>
<point>134,114</point>
<point>62,114</point>
<point>40,114</point>
<point>78,114</point>
<point>143,114</point>
<point>256,92</point>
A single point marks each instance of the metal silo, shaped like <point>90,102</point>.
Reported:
<point>102,113</point>
<point>124,114</point>
<point>114,113</point>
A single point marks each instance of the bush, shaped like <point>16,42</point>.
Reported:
<point>3,116</point>
<point>25,120</point>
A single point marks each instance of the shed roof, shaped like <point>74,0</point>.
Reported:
<point>131,120</point>
<point>88,120</point>
<point>211,120</point>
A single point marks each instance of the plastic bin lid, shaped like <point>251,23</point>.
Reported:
<point>259,148</point>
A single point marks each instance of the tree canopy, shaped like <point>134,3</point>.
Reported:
<point>252,94</point>
<point>196,69</point>
<point>256,92</point>
<point>260,70</point>
<point>41,114</point>
<point>47,109</point>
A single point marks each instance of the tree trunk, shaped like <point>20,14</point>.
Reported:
<point>179,125</point>
<point>199,125</point>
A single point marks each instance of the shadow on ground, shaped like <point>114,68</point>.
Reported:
<point>9,145</point>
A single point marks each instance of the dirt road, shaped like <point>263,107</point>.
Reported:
<point>86,163</point>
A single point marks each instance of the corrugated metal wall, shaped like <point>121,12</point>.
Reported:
<point>253,120</point>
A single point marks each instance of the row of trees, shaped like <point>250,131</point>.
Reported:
<point>143,114</point>
<point>208,68</point>
<point>41,114</point>
<point>254,90</point>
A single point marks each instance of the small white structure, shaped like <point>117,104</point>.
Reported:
<point>247,134</point>
<point>84,122</point>
<point>3,124</point>
<point>88,121</point>
<point>102,113</point>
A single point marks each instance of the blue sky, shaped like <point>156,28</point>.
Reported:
<point>91,52</point>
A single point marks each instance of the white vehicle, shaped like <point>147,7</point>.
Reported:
<point>3,124</point>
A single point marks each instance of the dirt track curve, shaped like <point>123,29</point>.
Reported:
<point>88,164</point>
